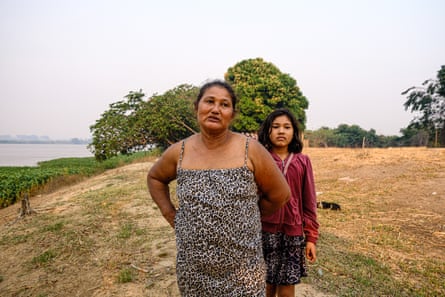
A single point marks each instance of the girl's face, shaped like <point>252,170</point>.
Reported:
<point>215,109</point>
<point>281,132</point>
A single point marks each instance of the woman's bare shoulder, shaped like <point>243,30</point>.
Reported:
<point>257,155</point>
<point>171,154</point>
<point>256,148</point>
<point>165,167</point>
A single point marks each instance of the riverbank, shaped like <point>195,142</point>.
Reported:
<point>107,228</point>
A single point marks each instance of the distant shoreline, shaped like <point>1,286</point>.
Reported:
<point>83,142</point>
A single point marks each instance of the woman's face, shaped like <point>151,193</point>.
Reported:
<point>281,131</point>
<point>215,109</point>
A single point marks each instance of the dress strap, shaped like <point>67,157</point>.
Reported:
<point>181,153</point>
<point>247,148</point>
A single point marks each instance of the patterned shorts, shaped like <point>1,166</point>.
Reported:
<point>285,258</point>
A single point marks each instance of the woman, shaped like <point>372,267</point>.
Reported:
<point>290,234</point>
<point>217,224</point>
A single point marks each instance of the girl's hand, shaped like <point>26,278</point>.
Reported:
<point>311,252</point>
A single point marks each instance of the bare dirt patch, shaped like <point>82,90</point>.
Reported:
<point>105,237</point>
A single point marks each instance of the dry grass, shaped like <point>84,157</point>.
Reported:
<point>104,236</point>
<point>389,238</point>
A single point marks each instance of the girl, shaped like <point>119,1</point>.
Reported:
<point>289,234</point>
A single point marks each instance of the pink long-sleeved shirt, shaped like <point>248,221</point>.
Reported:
<point>290,219</point>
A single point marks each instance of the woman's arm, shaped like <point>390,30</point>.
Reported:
<point>158,179</point>
<point>271,182</point>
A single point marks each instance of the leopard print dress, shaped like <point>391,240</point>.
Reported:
<point>218,232</point>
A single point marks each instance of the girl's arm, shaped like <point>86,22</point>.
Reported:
<point>309,204</point>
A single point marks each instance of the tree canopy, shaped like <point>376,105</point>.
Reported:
<point>345,136</point>
<point>116,130</point>
<point>133,124</point>
<point>428,102</point>
<point>261,87</point>
<point>136,123</point>
<point>170,117</point>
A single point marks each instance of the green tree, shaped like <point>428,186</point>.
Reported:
<point>428,102</point>
<point>115,131</point>
<point>349,135</point>
<point>412,136</point>
<point>167,118</point>
<point>371,139</point>
<point>323,137</point>
<point>261,87</point>
<point>133,124</point>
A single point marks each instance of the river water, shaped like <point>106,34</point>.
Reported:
<point>31,154</point>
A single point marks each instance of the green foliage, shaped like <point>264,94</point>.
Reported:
<point>168,118</point>
<point>414,137</point>
<point>15,181</point>
<point>428,102</point>
<point>125,276</point>
<point>53,228</point>
<point>134,124</point>
<point>349,136</point>
<point>44,258</point>
<point>126,231</point>
<point>323,137</point>
<point>261,87</point>
<point>116,131</point>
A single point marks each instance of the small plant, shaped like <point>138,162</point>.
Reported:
<point>126,231</point>
<point>53,228</point>
<point>125,276</point>
<point>44,258</point>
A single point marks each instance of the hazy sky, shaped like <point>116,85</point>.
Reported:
<point>63,62</point>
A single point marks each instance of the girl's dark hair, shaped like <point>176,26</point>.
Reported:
<point>295,146</point>
<point>217,83</point>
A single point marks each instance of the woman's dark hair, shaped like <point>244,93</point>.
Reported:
<point>217,83</point>
<point>295,146</point>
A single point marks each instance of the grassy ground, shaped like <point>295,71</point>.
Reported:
<point>389,238</point>
<point>104,236</point>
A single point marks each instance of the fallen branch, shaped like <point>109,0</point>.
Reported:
<point>138,268</point>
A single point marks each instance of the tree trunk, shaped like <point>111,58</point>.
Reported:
<point>26,207</point>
